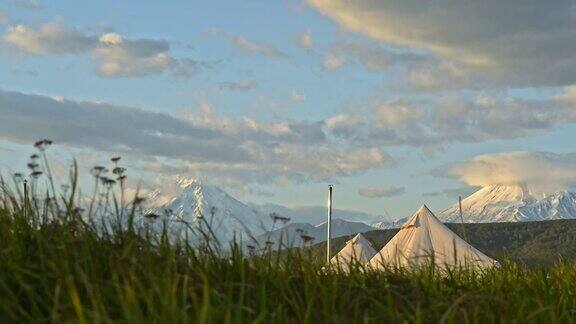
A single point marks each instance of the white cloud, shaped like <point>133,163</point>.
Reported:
<point>3,17</point>
<point>542,172</point>
<point>238,85</point>
<point>29,4</point>
<point>118,57</point>
<point>49,38</point>
<point>306,40</point>
<point>524,44</point>
<point>333,62</point>
<point>450,119</point>
<point>200,144</point>
<point>113,55</point>
<point>250,46</point>
<point>297,96</point>
<point>379,192</point>
<point>369,55</point>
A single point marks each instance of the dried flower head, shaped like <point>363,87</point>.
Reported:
<point>118,170</point>
<point>98,170</point>
<point>42,144</point>
<point>307,238</point>
<point>32,165</point>
<point>151,216</point>
<point>138,200</point>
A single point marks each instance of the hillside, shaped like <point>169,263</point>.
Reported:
<point>290,234</point>
<point>530,243</point>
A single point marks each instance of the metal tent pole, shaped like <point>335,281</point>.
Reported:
<point>462,218</point>
<point>329,234</point>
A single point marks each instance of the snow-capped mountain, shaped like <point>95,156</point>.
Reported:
<point>389,224</point>
<point>291,233</point>
<point>511,203</point>
<point>199,205</point>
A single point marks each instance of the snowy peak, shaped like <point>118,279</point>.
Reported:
<point>200,204</point>
<point>511,203</point>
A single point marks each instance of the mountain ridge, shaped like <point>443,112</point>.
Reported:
<point>511,203</point>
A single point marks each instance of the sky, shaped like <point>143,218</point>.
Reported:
<point>396,103</point>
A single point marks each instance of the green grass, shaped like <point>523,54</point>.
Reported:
<point>64,272</point>
<point>56,267</point>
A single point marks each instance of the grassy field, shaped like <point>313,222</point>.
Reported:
<point>64,272</point>
<point>56,266</point>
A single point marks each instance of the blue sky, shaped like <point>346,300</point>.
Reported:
<point>273,100</point>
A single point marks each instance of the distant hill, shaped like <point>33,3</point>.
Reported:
<point>291,237</point>
<point>530,243</point>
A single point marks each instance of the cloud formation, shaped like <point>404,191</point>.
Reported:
<point>3,17</point>
<point>238,85</point>
<point>297,96</point>
<point>29,4</point>
<point>114,56</point>
<point>522,43</point>
<point>542,172</point>
<point>306,40</point>
<point>250,46</point>
<point>371,56</point>
<point>380,192</point>
<point>451,119</point>
<point>239,149</point>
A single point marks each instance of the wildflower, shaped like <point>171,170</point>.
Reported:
<point>42,144</point>
<point>115,159</point>
<point>138,200</point>
<point>307,238</point>
<point>98,170</point>
<point>36,174</point>
<point>118,171</point>
<point>32,166</point>
<point>151,216</point>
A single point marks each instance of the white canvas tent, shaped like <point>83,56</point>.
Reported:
<point>358,249</point>
<point>424,238</point>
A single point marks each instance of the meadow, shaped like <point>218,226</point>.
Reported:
<point>57,265</point>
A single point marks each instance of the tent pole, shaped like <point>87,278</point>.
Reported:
<point>329,223</point>
<point>462,217</point>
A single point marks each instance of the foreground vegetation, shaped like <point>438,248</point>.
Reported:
<point>57,265</point>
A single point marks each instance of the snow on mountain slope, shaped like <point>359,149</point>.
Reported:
<point>229,217</point>
<point>511,203</point>
<point>315,214</point>
<point>226,216</point>
<point>290,234</point>
<point>389,224</point>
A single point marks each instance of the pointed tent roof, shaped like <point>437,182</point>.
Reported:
<point>358,249</point>
<point>424,237</point>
